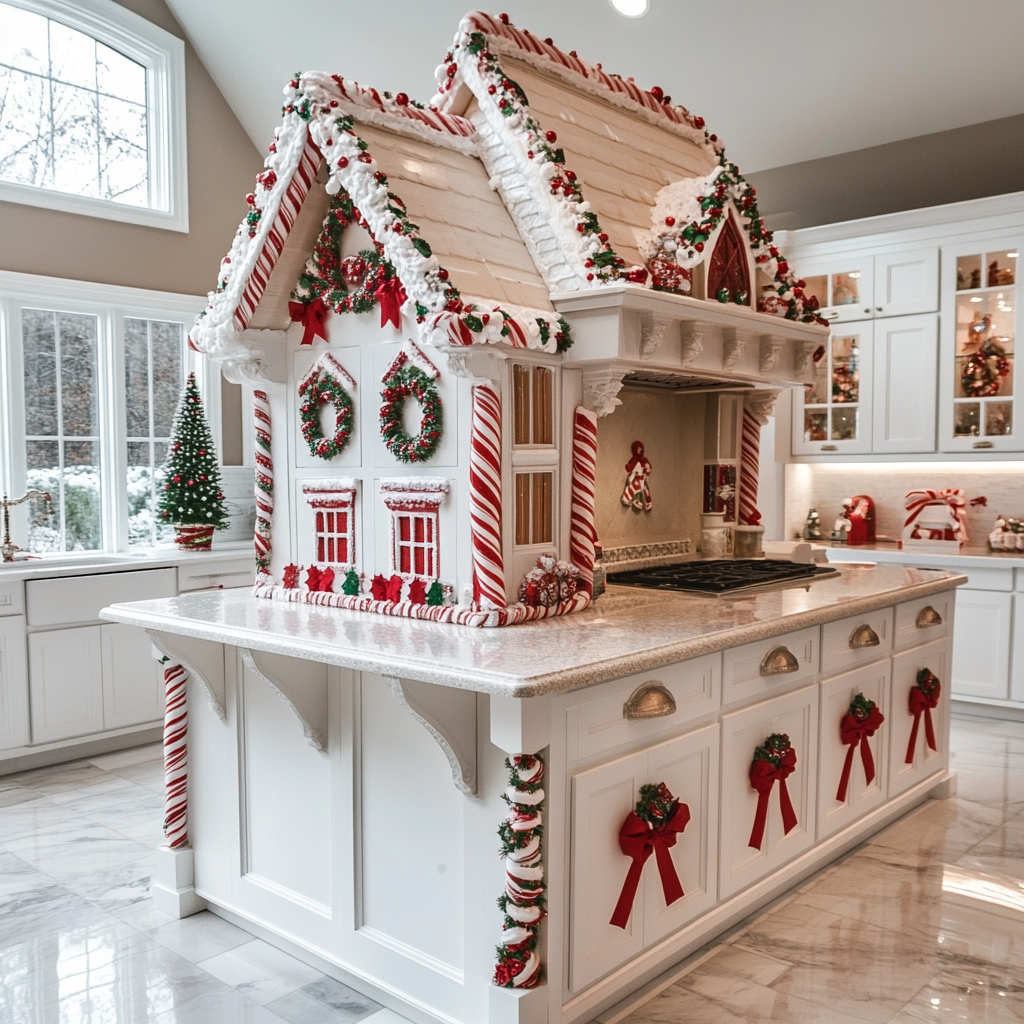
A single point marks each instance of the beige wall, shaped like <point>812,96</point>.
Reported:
<point>671,427</point>
<point>222,162</point>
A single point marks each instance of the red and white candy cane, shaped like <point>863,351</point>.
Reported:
<point>584,473</point>
<point>264,482</point>
<point>916,502</point>
<point>175,756</point>
<point>485,499</point>
<point>750,468</point>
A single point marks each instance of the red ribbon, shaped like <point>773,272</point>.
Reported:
<point>312,316</point>
<point>638,840</point>
<point>920,701</point>
<point>854,730</point>
<point>763,775</point>
<point>390,294</point>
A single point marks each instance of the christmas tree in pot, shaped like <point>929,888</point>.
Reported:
<point>192,499</point>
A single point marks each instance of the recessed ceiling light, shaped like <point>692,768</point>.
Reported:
<point>631,8</point>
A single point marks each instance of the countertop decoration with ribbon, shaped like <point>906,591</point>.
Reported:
<point>924,695</point>
<point>857,726</point>
<point>651,827</point>
<point>774,760</point>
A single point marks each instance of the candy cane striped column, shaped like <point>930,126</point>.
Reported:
<point>175,756</point>
<point>485,498</point>
<point>750,467</point>
<point>264,482</point>
<point>584,472</point>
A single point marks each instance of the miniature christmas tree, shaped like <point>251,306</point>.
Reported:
<point>192,497</point>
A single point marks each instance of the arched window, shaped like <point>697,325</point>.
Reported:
<point>92,112</point>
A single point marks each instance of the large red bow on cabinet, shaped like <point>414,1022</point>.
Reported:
<point>855,731</point>
<point>763,776</point>
<point>924,696</point>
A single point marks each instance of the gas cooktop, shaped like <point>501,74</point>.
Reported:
<point>718,576</point>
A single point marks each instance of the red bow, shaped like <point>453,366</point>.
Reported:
<point>638,840</point>
<point>854,730</point>
<point>921,701</point>
<point>390,294</point>
<point>762,777</point>
<point>312,316</point>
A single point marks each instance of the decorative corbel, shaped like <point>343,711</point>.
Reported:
<point>476,367</point>
<point>303,686</point>
<point>760,404</point>
<point>803,352</point>
<point>600,388</point>
<point>652,333</point>
<point>202,659</point>
<point>735,342</point>
<point>771,352</point>
<point>692,336</point>
<point>254,357</point>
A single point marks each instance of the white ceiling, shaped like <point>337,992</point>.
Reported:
<point>779,82</point>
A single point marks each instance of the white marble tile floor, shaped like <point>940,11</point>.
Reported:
<point>924,923</point>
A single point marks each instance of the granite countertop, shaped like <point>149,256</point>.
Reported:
<point>978,557</point>
<point>626,631</point>
<point>89,564</point>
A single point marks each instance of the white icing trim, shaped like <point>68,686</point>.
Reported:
<point>328,361</point>
<point>330,485</point>
<point>410,353</point>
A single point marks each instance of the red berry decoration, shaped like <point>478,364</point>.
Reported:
<point>551,136</point>
<point>670,221</point>
<point>658,93</point>
<point>402,100</point>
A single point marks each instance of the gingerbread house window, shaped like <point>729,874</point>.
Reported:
<point>728,273</point>
<point>333,505</point>
<point>533,404</point>
<point>535,499</point>
<point>414,506</point>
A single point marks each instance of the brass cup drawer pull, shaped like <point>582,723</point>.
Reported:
<point>863,636</point>
<point>926,617</point>
<point>649,700</point>
<point>779,661</point>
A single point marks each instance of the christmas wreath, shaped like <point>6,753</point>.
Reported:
<point>316,392</point>
<point>410,382</point>
<point>982,371</point>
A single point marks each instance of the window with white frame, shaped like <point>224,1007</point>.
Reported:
<point>92,112</point>
<point>414,504</point>
<point>91,378</point>
<point>333,505</point>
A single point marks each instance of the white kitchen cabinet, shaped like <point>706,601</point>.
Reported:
<point>836,697</point>
<point>905,361</point>
<point>65,683</point>
<point>843,286</point>
<point>602,797</point>
<point>132,678</point>
<point>925,761</point>
<point>13,692</point>
<point>981,643</point>
<point>795,714</point>
<point>906,282</point>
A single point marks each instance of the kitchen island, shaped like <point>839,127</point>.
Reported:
<point>346,773</point>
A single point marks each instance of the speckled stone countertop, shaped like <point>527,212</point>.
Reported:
<point>959,561</point>
<point>626,631</point>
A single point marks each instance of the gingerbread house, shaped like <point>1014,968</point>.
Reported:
<point>437,303</point>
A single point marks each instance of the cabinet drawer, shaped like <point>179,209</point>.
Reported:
<point>79,598</point>
<point>916,625</point>
<point>989,579</point>
<point>746,674</point>
<point>228,572</point>
<point>12,598</point>
<point>598,726</point>
<point>842,642</point>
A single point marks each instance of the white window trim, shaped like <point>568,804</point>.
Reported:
<point>163,56</point>
<point>333,496</point>
<point>110,304</point>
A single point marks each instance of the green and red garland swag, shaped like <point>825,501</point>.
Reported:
<point>924,695</point>
<point>316,392</point>
<point>523,900</point>
<point>857,726</point>
<point>774,761</point>
<point>651,827</point>
<point>410,382</point>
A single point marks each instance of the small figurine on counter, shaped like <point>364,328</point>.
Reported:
<point>637,492</point>
<point>812,525</point>
<point>862,520</point>
<point>1007,534</point>
<point>842,525</point>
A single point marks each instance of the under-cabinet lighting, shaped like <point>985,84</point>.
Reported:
<point>975,298</point>
<point>854,274</point>
<point>1013,255</point>
<point>631,8</point>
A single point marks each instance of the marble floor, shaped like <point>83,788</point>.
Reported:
<point>923,923</point>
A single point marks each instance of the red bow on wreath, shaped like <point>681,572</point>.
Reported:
<point>651,828</point>
<point>391,295</point>
<point>775,761</point>
<point>312,316</point>
<point>923,697</point>
<point>858,725</point>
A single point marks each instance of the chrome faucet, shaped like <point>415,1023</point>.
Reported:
<point>7,548</point>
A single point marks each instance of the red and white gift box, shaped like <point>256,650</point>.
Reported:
<point>936,519</point>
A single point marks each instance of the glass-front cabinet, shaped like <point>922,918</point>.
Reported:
<point>843,287</point>
<point>977,386</point>
<point>833,414</point>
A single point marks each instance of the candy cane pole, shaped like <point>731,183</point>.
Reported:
<point>175,756</point>
<point>757,407</point>
<point>264,482</point>
<point>584,472</point>
<point>485,498</point>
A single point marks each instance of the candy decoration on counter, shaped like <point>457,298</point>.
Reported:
<point>936,515</point>
<point>857,726</point>
<point>651,827</point>
<point>637,492</point>
<point>175,755</point>
<point>1007,534</point>
<point>774,761</point>
<point>549,582</point>
<point>924,695</point>
<point>485,498</point>
<point>582,535</point>
<point>523,900</point>
<point>264,482</point>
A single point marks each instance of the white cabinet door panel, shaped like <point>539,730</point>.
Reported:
<point>66,683</point>
<point>132,678</point>
<point>907,282</point>
<point>981,643</point>
<point>905,370</point>
<point>13,683</point>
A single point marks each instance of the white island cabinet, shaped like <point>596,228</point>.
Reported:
<point>346,773</point>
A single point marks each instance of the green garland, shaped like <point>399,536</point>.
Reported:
<point>411,382</point>
<point>316,392</point>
